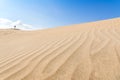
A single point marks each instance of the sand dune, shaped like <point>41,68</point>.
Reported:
<point>88,51</point>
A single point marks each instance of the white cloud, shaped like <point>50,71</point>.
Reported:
<point>6,23</point>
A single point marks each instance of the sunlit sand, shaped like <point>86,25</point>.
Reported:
<point>89,51</point>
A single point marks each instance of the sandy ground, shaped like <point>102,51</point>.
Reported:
<point>88,51</point>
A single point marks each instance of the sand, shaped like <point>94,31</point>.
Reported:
<point>89,51</point>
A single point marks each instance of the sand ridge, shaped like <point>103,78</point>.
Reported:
<point>89,51</point>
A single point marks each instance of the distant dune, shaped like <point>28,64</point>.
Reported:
<point>89,51</point>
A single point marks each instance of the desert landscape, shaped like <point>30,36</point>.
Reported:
<point>89,51</point>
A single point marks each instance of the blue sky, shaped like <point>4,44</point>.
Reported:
<point>53,13</point>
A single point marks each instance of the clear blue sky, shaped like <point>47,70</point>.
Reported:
<point>52,13</point>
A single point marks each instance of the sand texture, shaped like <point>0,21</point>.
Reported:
<point>89,51</point>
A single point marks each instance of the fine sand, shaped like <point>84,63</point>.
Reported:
<point>88,51</point>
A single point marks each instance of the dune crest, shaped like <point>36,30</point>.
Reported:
<point>89,51</point>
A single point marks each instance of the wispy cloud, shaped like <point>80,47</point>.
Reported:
<point>6,23</point>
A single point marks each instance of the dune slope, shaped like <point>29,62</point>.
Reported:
<point>88,51</point>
